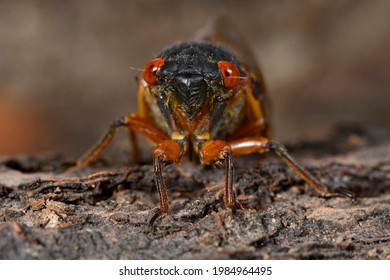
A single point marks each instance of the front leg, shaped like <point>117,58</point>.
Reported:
<point>215,151</point>
<point>166,152</point>
<point>263,145</point>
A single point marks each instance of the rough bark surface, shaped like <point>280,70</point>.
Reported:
<point>101,212</point>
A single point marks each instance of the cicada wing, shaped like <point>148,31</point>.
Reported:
<point>222,31</point>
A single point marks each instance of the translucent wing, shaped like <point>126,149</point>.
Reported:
<point>223,31</point>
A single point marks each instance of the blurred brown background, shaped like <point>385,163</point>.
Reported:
<point>65,65</point>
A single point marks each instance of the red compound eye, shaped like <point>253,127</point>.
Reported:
<point>230,74</point>
<point>151,70</point>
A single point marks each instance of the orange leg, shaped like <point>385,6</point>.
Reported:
<point>263,145</point>
<point>218,151</point>
<point>134,146</point>
<point>166,151</point>
<point>134,124</point>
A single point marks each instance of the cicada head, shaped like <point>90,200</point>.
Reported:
<point>190,77</point>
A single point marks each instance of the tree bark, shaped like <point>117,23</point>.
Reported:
<point>102,212</point>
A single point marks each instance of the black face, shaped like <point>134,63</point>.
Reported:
<point>190,75</point>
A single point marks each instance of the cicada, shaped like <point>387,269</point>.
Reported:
<point>206,98</point>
